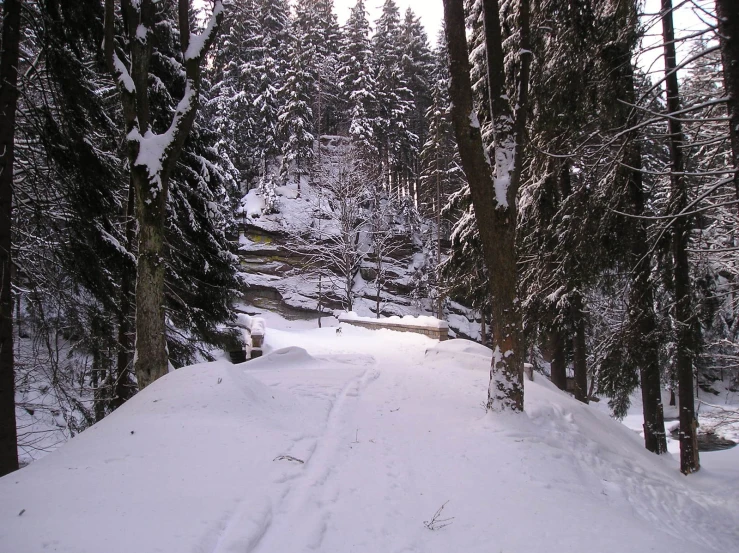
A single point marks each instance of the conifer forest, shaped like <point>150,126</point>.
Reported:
<point>556,179</point>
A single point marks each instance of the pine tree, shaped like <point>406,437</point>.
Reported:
<point>296,116</point>
<point>272,68</point>
<point>238,73</point>
<point>391,122</point>
<point>320,32</point>
<point>357,82</point>
<point>152,157</point>
<point>417,66</point>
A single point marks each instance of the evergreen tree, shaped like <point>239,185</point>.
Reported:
<point>320,32</point>
<point>271,69</point>
<point>417,65</point>
<point>357,83</point>
<point>296,116</point>
<point>393,106</point>
<point>238,74</point>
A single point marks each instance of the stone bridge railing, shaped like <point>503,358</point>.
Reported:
<point>427,326</point>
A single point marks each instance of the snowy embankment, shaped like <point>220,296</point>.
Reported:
<point>352,442</point>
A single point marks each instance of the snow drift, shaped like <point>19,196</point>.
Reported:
<point>351,443</point>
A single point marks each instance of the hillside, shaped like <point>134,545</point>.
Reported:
<point>352,442</point>
<point>281,226</point>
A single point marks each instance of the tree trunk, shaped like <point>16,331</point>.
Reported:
<point>493,186</point>
<point>580,356</point>
<point>641,310</point>
<point>151,177</point>
<point>727,16</point>
<point>558,370</point>
<point>8,104</point>
<point>123,387</point>
<point>151,361</point>
<point>641,297</point>
<point>439,302</point>
<point>689,459</point>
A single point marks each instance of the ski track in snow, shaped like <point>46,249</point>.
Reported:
<point>303,507</point>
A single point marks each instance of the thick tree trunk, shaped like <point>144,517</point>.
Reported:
<point>641,310</point>
<point>689,459</point>
<point>558,370</point>
<point>151,361</point>
<point>580,354</point>
<point>727,15</point>
<point>8,104</point>
<point>494,187</point>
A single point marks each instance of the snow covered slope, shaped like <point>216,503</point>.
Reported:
<point>352,442</point>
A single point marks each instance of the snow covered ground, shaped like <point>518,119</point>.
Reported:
<point>351,442</point>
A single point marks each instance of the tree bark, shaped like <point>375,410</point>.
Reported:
<point>8,104</point>
<point>580,356</point>
<point>558,370</point>
<point>689,459</point>
<point>123,387</point>
<point>641,310</point>
<point>727,16</point>
<point>494,186</point>
<point>642,316</point>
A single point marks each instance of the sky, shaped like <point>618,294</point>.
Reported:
<point>689,16</point>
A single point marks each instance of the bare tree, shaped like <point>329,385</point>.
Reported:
<point>152,156</point>
<point>384,241</point>
<point>334,249</point>
<point>494,183</point>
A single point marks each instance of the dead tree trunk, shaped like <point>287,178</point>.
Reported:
<point>152,157</point>
<point>689,460</point>
<point>8,104</point>
<point>494,184</point>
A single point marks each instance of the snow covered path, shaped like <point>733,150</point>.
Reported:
<point>350,443</point>
<point>409,444</point>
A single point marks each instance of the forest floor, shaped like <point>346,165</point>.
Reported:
<point>354,442</point>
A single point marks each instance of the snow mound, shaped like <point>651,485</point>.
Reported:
<point>460,353</point>
<point>354,455</point>
<point>459,345</point>
<point>283,358</point>
<point>174,463</point>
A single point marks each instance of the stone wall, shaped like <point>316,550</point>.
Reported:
<point>437,333</point>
